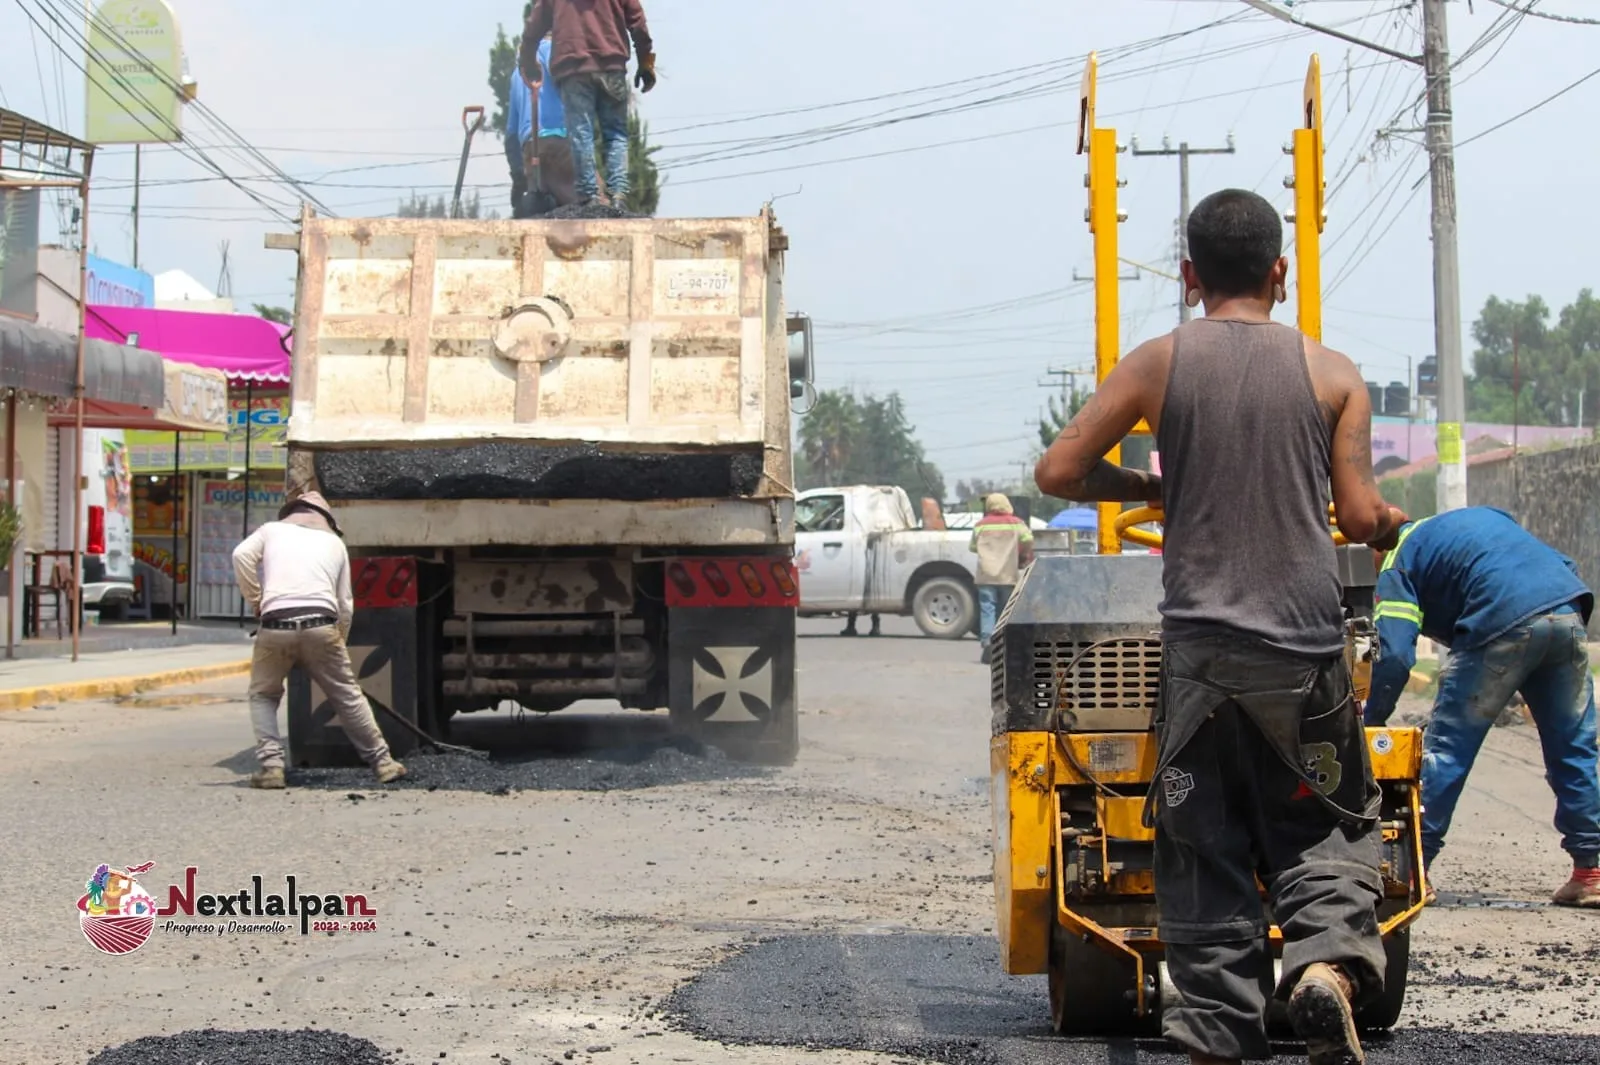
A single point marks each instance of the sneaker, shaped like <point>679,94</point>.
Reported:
<point>1583,890</point>
<point>1319,1010</point>
<point>270,779</point>
<point>388,771</point>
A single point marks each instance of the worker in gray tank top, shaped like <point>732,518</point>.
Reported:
<point>1262,763</point>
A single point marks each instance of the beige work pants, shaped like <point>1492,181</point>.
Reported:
<point>321,653</point>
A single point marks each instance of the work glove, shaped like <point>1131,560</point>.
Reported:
<point>645,79</point>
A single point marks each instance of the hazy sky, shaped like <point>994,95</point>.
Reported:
<point>917,264</point>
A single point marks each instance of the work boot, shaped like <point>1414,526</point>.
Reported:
<point>1583,890</point>
<point>876,624</point>
<point>1319,1010</point>
<point>269,778</point>
<point>850,626</point>
<point>388,771</point>
<point>984,655</point>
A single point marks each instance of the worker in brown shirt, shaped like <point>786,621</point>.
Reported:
<point>589,60</point>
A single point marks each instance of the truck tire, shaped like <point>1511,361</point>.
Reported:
<point>944,608</point>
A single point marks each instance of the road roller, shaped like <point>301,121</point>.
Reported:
<point>1075,681</point>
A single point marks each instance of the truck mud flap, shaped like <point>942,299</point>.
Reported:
<point>731,655</point>
<point>732,680</point>
<point>385,655</point>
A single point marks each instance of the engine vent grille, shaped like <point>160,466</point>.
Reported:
<point>1114,675</point>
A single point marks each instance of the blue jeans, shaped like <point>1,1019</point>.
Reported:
<point>590,101</point>
<point>991,600</point>
<point>1545,659</point>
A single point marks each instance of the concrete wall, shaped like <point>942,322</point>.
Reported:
<point>1555,495</point>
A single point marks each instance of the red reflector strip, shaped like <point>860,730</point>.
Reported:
<point>732,582</point>
<point>383,583</point>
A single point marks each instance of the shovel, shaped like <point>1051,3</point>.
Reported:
<point>472,122</point>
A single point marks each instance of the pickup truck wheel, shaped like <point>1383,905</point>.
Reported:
<point>944,608</point>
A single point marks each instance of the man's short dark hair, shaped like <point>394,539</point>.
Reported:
<point>1234,239</point>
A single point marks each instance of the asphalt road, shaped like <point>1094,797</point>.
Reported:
<point>685,911</point>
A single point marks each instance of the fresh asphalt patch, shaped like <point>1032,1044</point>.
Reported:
<point>633,767</point>
<point>945,998</point>
<point>266,1046</point>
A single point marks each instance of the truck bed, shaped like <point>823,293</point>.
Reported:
<point>631,359</point>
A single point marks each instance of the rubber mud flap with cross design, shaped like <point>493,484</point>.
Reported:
<point>384,654</point>
<point>731,681</point>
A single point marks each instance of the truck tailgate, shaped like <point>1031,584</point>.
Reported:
<point>650,333</point>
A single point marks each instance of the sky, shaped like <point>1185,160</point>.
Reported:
<point>921,158</point>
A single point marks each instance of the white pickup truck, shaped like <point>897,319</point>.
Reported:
<point>860,550</point>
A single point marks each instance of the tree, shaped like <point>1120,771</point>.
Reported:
<point>502,61</point>
<point>439,207</point>
<point>281,315</point>
<point>846,439</point>
<point>1136,450</point>
<point>644,179</point>
<point>1557,366</point>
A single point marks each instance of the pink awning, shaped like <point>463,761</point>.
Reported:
<point>242,346</point>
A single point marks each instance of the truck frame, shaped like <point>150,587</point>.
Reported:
<point>559,451</point>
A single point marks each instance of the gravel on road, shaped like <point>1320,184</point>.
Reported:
<point>262,1046</point>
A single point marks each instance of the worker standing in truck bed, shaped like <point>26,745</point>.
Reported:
<point>1513,612</point>
<point>589,60</point>
<point>1262,763</point>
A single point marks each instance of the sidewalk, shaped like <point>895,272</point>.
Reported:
<point>133,635</point>
<point>108,674</point>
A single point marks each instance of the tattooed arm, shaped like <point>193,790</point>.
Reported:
<point>1360,509</point>
<point>1075,468</point>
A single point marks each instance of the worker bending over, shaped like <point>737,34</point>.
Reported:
<point>294,574</point>
<point>1262,763</point>
<point>1513,612</point>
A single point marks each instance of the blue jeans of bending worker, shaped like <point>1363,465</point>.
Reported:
<point>991,601</point>
<point>1545,659</point>
<point>598,101</point>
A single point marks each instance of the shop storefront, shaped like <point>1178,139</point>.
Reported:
<point>222,485</point>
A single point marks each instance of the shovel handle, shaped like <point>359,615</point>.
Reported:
<point>472,118</point>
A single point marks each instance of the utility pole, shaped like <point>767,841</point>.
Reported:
<point>1182,151</point>
<point>1452,483</point>
<point>1451,402</point>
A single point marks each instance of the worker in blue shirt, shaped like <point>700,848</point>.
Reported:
<point>550,152</point>
<point>1513,612</point>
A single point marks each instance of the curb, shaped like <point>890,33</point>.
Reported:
<point>113,687</point>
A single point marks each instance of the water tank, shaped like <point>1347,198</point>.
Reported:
<point>1396,400</point>
<point>1428,377</point>
<point>1375,394</point>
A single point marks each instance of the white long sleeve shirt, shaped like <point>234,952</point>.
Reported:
<point>282,566</point>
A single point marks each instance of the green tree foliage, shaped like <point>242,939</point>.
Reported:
<point>644,178</point>
<point>439,206</point>
<point>1136,450</point>
<point>281,315</point>
<point>502,61</point>
<point>850,439</point>
<point>1556,361</point>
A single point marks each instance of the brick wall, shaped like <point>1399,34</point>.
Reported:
<point>1555,495</point>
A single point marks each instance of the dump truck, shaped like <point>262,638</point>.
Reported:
<point>559,453</point>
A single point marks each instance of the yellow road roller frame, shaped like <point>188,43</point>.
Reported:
<point>1030,771</point>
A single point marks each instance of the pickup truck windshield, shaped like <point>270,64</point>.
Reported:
<point>819,514</point>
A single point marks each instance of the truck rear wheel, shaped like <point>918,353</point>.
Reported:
<point>944,608</point>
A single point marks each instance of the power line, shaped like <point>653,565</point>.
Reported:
<point>1550,15</point>
<point>1524,114</point>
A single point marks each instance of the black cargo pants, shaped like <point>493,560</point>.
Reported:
<point>1262,771</point>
